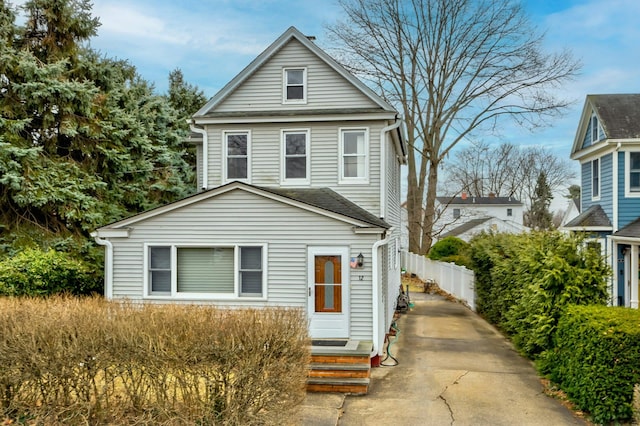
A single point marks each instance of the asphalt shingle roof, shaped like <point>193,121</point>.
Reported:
<point>469,200</point>
<point>619,114</point>
<point>593,216</point>
<point>329,200</point>
<point>632,230</point>
<point>467,226</point>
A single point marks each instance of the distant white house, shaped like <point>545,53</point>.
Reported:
<point>466,216</point>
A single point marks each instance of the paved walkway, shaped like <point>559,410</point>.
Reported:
<point>454,369</point>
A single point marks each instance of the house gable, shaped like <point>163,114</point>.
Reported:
<point>322,201</point>
<point>259,87</point>
<point>616,118</point>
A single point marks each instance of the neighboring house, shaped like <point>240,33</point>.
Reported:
<point>466,216</point>
<point>607,145</point>
<point>571,212</point>
<point>299,165</point>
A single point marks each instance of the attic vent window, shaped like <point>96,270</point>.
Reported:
<point>295,85</point>
<point>595,137</point>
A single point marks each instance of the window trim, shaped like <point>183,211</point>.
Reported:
<point>342,179</point>
<point>595,136</point>
<point>628,193</point>
<point>175,295</point>
<point>283,157</point>
<point>595,196</point>
<point>225,156</point>
<point>285,84</point>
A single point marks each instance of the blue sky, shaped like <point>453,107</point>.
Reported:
<point>213,40</point>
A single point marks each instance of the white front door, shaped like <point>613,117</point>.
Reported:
<point>328,290</point>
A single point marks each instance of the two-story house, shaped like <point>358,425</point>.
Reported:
<point>607,145</point>
<point>466,216</point>
<point>299,169</point>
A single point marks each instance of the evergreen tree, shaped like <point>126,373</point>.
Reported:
<point>539,216</point>
<point>83,139</point>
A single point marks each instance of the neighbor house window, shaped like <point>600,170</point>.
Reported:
<point>205,272</point>
<point>237,147</point>
<point>353,152</point>
<point>295,151</point>
<point>594,129</point>
<point>634,172</point>
<point>510,212</point>
<point>595,178</point>
<point>295,85</point>
<point>456,213</point>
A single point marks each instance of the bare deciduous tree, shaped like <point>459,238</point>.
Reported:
<point>452,67</point>
<point>506,170</point>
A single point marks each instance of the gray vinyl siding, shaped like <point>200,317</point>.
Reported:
<point>239,217</point>
<point>325,87</point>
<point>628,208</point>
<point>266,159</point>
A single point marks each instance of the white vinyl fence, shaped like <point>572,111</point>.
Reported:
<point>455,280</point>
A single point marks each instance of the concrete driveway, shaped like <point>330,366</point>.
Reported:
<point>454,369</point>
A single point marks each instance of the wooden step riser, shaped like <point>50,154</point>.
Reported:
<point>352,389</point>
<point>332,359</point>
<point>339,374</point>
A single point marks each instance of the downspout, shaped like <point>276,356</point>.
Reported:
<point>383,165</point>
<point>376,290</point>
<point>205,155</point>
<point>108,265</point>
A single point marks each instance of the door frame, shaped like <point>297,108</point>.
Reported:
<point>318,321</point>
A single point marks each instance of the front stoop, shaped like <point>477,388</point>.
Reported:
<point>337,369</point>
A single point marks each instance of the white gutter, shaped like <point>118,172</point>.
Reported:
<point>375,297</point>
<point>205,154</point>
<point>108,265</point>
<point>383,166</point>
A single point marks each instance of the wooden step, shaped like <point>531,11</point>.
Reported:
<point>357,386</point>
<point>337,370</point>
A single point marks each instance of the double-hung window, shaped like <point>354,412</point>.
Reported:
<point>633,173</point>
<point>237,146</point>
<point>510,212</point>
<point>295,152</point>
<point>354,146</point>
<point>456,213</point>
<point>205,272</point>
<point>595,178</point>
<point>294,85</point>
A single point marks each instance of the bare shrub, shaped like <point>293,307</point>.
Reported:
<point>72,361</point>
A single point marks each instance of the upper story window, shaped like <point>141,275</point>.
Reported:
<point>295,153</point>
<point>295,85</point>
<point>236,150</point>
<point>456,213</point>
<point>595,178</point>
<point>354,146</point>
<point>595,136</point>
<point>510,212</point>
<point>632,165</point>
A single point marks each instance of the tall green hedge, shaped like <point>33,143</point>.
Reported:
<point>524,282</point>
<point>596,359</point>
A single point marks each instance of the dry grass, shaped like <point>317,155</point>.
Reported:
<point>72,361</point>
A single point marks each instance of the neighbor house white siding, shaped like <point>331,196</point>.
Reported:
<point>240,217</point>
